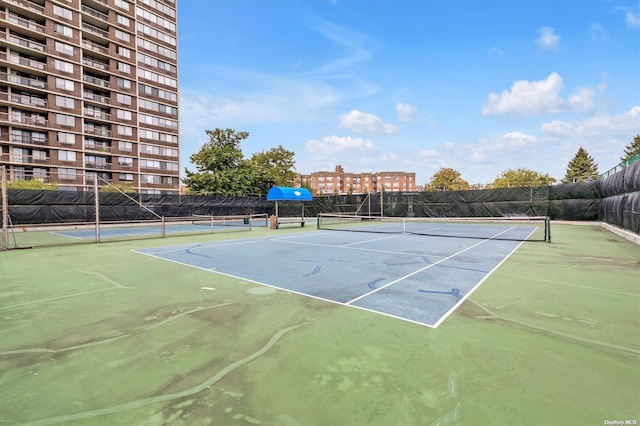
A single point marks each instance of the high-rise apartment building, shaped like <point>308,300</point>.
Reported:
<point>88,90</point>
<point>325,182</point>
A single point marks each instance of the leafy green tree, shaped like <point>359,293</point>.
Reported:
<point>220,165</point>
<point>275,167</point>
<point>446,179</point>
<point>222,168</point>
<point>521,177</point>
<point>581,168</point>
<point>31,184</point>
<point>126,187</point>
<point>632,149</point>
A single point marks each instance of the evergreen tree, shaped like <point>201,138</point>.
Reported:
<point>632,149</point>
<point>582,168</point>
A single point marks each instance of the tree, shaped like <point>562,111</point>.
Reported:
<point>126,187</point>
<point>632,149</point>
<point>446,179</point>
<point>222,168</point>
<point>521,177</point>
<point>273,168</point>
<point>220,165</point>
<point>581,168</point>
<point>36,184</point>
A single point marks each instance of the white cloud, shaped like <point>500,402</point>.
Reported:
<point>339,144</point>
<point>596,127</point>
<point>527,98</point>
<point>596,31</point>
<point>581,100</point>
<point>548,39</point>
<point>364,123</point>
<point>632,20</point>
<point>405,112</point>
<point>428,153</point>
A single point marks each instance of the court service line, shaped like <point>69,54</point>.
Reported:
<point>426,267</point>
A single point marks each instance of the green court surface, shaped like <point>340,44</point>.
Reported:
<point>102,335</point>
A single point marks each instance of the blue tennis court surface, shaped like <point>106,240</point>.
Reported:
<point>421,279</point>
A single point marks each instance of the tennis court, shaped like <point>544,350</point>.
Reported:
<point>418,278</point>
<point>142,332</point>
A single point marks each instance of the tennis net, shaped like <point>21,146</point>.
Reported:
<point>511,228</point>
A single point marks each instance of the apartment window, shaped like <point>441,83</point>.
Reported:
<point>121,19</point>
<point>66,137</point>
<point>125,161</point>
<point>65,120</point>
<point>62,83</point>
<point>64,48</point>
<point>63,30</point>
<point>161,50</point>
<point>123,51</point>
<point>121,35</point>
<point>125,146</point>
<point>66,155</point>
<point>126,177</point>
<point>154,91</point>
<point>39,173</point>
<point>124,114</point>
<point>123,82</point>
<point>64,102</point>
<point>123,99</point>
<point>122,4</point>
<point>67,173</point>
<point>149,75</point>
<point>63,66</point>
<point>62,12</point>
<point>125,130</point>
<point>121,66</point>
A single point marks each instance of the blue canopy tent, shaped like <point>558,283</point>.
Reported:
<point>283,193</point>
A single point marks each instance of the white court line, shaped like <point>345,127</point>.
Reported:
<point>426,267</point>
<point>67,236</point>
<point>357,248</point>
<point>454,307</point>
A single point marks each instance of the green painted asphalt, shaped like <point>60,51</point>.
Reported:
<point>100,335</point>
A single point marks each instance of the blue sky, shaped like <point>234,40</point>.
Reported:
<point>480,86</point>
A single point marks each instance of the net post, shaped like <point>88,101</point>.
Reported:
<point>4,208</point>
<point>163,229</point>
<point>96,197</point>
<point>547,229</point>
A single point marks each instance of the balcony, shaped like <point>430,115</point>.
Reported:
<point>87,44</point>
<point>96,81</point>
<point>27,100</point>
<point>29,5</point>
<point>25,119</point>
<point>96,97</point>
<point>98,165</point>
<point>30,140</point>
<point>99,131</point>
<point>25,81</point>
<point>26,159</point>
<point>98,147</point>
<point>24,42</point>
<point>95,13</point>
<point>25,23</point>
<point>95,30</point>
<point>94,63</point>
<point>100,115</point>
<point>25,62</point>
